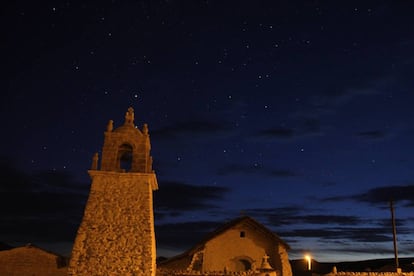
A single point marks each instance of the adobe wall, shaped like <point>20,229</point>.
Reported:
<point>226,249</point>
<point>163,272</point>
<point>223,250</point>
<point>27,260</point>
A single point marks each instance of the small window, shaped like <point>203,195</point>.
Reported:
<point>242,234</point>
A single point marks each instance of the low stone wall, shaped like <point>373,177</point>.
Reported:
<point>165,272</point>
<point>30,260</point>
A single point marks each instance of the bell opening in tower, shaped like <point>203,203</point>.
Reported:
<point>125,157</point>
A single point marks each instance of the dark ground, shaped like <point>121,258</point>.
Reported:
<point>299,267</point>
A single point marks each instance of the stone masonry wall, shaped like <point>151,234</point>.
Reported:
<point>116,236</point>
<point>284,258</point>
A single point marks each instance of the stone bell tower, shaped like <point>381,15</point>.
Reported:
<point>116,235</point>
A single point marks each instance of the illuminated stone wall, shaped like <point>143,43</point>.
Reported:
<point>116,236</point>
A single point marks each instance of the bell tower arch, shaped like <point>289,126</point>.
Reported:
<point>116,235</point>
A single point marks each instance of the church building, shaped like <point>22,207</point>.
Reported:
<point>243,246</point>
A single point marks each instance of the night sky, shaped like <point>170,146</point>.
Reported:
<point>296,113</point>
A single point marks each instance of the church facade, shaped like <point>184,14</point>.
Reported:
<point>243,246</point>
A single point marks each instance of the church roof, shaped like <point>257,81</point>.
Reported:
<point>246,220</point>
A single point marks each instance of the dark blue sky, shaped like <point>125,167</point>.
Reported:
<point>297,114</point>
